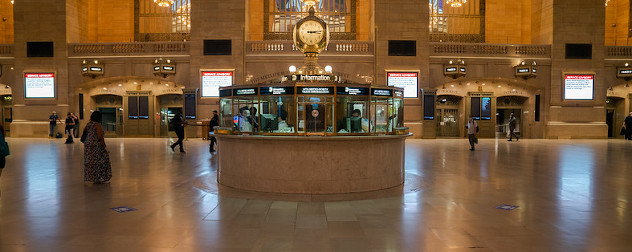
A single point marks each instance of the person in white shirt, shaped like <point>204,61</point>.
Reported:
<point>282,125</point>
<point>243,124</point>
<point>472,128</point>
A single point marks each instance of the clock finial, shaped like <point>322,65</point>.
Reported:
<point>312,12</point>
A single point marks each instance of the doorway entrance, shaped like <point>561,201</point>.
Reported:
<point>111,121</point>
<point>448,116</point>
<point>505,105</point>
<point>615,114</point>
<point>166,115</point>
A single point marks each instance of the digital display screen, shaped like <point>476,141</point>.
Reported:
<point>407,81</point>
<point>276,90</point>
<point>486,108</point>
<point>381,92</point>
<point>39,85</point>
<point>315,90</point>
<point>212,81</point>
<point>579,86</point>
<point>476,108</point>
<point>353,91</point>
<point>429,107</point>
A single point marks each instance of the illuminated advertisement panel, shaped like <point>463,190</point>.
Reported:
<point>39,85</point>
<point>212,81</point>
<point>407,81</point>
<point>579,86</point>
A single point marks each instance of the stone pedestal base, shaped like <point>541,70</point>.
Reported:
<point>311,165</point>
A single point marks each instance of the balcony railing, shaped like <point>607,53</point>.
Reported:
<point>125,49</point>
<point>287,47</point>
<point>6,50</point>
<point>489,50</point>
<point>618,51</point>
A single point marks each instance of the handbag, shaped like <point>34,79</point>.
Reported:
<point>475,140</point>
<point>4,147</point>
<point>622,131</point>
<point>476,128</point>
<point>83,136</point>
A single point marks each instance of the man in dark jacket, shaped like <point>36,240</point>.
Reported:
<point>512,127</point>
<point>178,126</point>
<point>628,127</point>
<point>214,123</point>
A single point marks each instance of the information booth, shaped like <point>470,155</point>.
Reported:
<point>311,137</point>
<point>327,110</point>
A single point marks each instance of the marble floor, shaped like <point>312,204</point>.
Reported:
<point>571,195</point>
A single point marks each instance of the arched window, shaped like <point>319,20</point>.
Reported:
<point>280,16</point>
<point>156,23</point>
<point>464,23</point>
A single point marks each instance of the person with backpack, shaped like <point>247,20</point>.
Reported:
<point>512,127</point>
<point>178,126</point>
<point>70,125</point>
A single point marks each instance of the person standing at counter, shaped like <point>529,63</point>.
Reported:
<point>212,124</point>
<point>178,126</point>
<point>472,128</point>
<point>243,123</point>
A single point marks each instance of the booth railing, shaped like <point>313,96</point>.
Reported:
<point>6,50</point>
<point>133,48</point>
<point>490,50</point>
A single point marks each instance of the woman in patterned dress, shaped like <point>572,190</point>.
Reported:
<point>96,158</point>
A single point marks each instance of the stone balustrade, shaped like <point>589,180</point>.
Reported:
<point>6,50</point>
<point>124,49</point>
<point>618,52</point>
<point>489,50</point>
<point>286,46</point>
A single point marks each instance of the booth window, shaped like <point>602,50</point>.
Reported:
<point>457,24</point>
<point>280,17</point>
<point>156,23</point>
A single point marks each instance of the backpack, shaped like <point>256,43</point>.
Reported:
<point>59,135</point>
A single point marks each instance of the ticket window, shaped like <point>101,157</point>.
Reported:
<point>226,112</point>
<point>315,115</point>
<point>383,116</point>
<point>352,115</point>
<point>247,115</point>
<point>277,114</point>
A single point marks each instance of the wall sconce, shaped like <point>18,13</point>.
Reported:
<point>624,72</point>
<point>92,68</point>
<point>455,69</point>
<point>526,71</point>
<point>164,67</point>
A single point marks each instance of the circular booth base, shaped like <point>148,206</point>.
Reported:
<point>311,165</point>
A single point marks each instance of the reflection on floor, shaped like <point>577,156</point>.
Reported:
<point>572,195</point>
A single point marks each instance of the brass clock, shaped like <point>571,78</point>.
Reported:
<point>311,34</point>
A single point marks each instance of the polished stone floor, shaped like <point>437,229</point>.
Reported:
<point>571,195</point>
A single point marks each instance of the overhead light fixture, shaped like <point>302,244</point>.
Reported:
<point>455,69</point>
<point>455,3</point>
<point>164,67</point>
<point>606,2</point>
<point>163,3</point>
<point>525,70</point>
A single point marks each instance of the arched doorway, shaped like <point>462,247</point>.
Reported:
<point>168,105</point>
<point>111,108</point>
<point>505,105</point>
<point>6,113</point>
<point>449,115</point>
<point>133,106</point>
<point>615,114</point>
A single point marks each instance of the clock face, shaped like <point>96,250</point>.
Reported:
<point>311,32</point>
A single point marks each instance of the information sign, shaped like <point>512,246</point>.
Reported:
<point>407,81</point>
<point>39,85</point>
<point>212,81</point>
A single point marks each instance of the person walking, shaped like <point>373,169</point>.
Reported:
<point>212,124</point>
<point>4,150</point>
<point>75,129</point>
<point>70,125</point>
<point>97,167</point>
<point>52,120</point>
<point>627,123</point>
<point>512,127</point>
<point>472,129</point>
<point>178,126</point>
